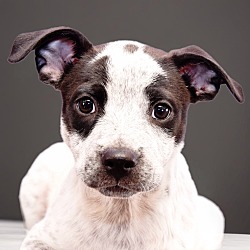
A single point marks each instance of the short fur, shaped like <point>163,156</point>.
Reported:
<point>119,180</point>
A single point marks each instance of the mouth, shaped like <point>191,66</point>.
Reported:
<point>116,191</point>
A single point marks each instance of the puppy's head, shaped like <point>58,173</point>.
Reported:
<point>124,103</point>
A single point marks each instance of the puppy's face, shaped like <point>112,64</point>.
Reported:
<point>123,98</point>
<point>124,103</point>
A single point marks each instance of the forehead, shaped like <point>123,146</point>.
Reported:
<point>129,65</point>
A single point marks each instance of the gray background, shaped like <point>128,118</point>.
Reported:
<point>217,140</point>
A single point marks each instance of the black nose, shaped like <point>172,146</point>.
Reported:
<point>118,162</point>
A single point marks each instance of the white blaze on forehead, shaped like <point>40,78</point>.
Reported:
<point>129,73</point>
<point>126,69</point>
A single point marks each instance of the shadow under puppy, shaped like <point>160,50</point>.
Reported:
<point>119,180</point>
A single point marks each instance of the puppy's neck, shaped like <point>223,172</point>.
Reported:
<point>121,210</point>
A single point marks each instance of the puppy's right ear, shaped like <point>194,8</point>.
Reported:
<point>57,49</point>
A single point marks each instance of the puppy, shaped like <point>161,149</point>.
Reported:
<point>119,180</point>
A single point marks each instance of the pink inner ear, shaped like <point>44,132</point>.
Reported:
<point>53,58</point>
<point>64,48</point>
<point>200,78</point>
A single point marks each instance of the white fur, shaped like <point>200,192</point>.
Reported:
<point>43,180</point>
<point>166,213</point>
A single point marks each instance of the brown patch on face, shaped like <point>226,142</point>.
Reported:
<point>85,79</point>
<point>130,48</point>
<point>170,89</point>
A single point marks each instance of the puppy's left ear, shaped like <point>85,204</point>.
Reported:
<point>202,74</point>
<point>57,49</point>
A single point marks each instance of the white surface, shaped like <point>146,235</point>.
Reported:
<point>236,242</point>
<point>11,235</point>
<point>13,232</point>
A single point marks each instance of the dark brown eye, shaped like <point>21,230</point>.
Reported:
<point>86,105</point>
<point>161,111</point>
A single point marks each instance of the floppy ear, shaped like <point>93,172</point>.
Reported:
<point>202,74</point>
<point>56,49</point>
